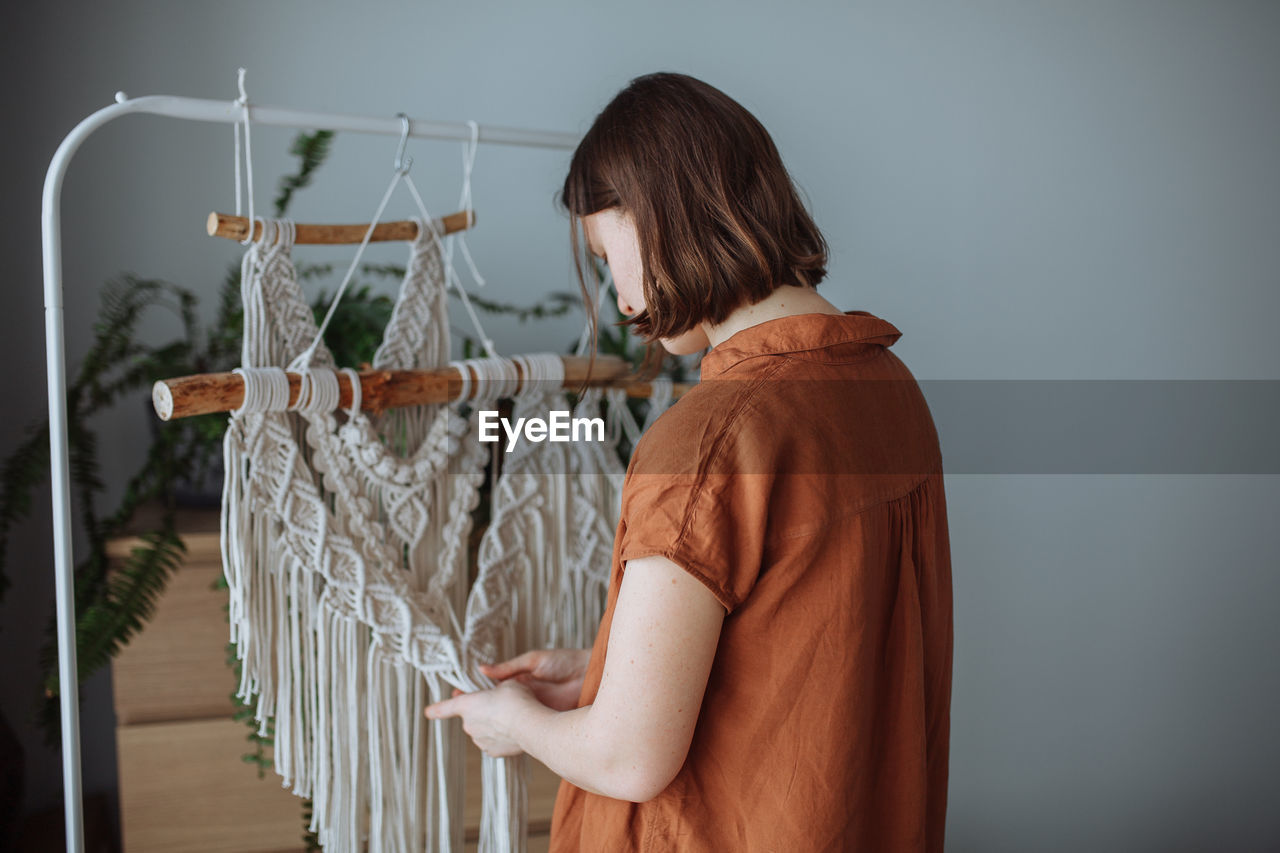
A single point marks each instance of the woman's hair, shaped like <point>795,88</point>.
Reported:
<point>719,221</point>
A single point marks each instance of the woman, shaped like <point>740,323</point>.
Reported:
<point>773,669</point>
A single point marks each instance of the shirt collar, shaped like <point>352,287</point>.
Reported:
<point>824,337</point>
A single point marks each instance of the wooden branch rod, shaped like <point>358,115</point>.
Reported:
<point>235,228</point>
<point>379,389</point>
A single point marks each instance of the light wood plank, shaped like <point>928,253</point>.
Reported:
<point>198,529</point>
<point>175,668</point>
<point>183,786</point>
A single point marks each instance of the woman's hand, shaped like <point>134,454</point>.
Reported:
<point>553,675</point>
<point>490,716</point>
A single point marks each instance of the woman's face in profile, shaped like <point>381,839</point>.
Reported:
<point>612,237</point>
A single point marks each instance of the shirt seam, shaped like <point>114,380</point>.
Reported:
<point>718,446</point>
<point>906,492</point>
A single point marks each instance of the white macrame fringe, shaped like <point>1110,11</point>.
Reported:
<point>344,547</point>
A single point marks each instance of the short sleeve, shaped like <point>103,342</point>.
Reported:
<point>697,492</point>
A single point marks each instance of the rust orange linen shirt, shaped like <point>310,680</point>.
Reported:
<point>801,482</point>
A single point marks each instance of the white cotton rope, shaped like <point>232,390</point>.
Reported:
<point>507,377</point>
<point>522,365</point>
<point>318,392</point>
<point>357,392</point>
<point>622,418</point>
<point>243,103</point>
<point>345,551</point>
<point>402,173</point>
<point>464,199</point>
<point>451,274</point>
<point>464,370</point>
<point>318,524</point>
<point>495,378</point>
<point>304,358</point>
<point>266,389</point>
<point>304,391</point>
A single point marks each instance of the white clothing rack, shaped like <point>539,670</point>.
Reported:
<point>193,109</point>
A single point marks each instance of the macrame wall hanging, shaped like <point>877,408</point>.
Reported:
<point>556,509</point>
<point>344,538</point>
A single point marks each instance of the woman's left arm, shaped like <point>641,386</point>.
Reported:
<point>632,741</point>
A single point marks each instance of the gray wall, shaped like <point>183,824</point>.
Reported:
<point>1029,190</point>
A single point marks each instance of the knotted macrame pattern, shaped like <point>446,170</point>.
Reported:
<point>344,543</point>
<point>345,552</point>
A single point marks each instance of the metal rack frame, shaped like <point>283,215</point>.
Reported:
<point>190,109</point>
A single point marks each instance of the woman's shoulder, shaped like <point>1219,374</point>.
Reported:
<point>712,420</point>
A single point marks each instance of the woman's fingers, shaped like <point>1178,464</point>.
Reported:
<point>507,668</point>
<point>444,709</point>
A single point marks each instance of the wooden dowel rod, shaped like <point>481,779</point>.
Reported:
<point>204,393</point>
<point>235,227</point>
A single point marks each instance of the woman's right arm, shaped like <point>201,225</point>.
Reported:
<point>634,737</point>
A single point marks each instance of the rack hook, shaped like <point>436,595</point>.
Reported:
<point>402,162</point>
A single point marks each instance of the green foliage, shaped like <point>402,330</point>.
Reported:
<point>557,304</point>
<point>23,472</point>
<point>355,331</point>
<point>312,150</point>
<point>309,838</point>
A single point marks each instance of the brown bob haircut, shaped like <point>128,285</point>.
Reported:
<point>719,221</point>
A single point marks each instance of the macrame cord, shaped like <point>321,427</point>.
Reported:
<point>345,537</point>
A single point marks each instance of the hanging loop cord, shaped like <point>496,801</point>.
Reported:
<point>401,172</point>
<point>446,245</point>
<point>303,360</point>
<point>464,200</point>
<point>243,103</point>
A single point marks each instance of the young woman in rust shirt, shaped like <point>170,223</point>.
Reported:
<point>773,670</point>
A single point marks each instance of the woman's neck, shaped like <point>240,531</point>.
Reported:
<point>786,301</point>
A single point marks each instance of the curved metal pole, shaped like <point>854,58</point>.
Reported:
<point>194,109</point>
